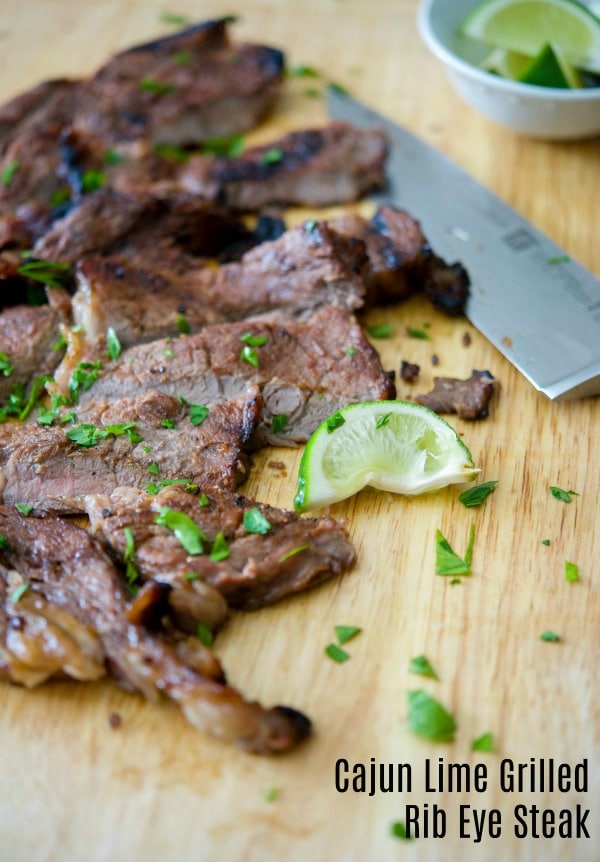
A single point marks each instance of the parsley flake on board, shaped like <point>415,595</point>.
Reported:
<point>174,19</point>
<point>564,496</point>
<point>278,422</point>
<point>418,333</point>
<point>302,71</point>
<point>428,718</point>
<point>475,496</point>
<point>336,653</point>
<point>190,536</point>
<point>220,549</point>
<point>485,742</point>
<point>549,637</point>
<point>398,830</point>
<point>421,665</point>
<point>113,345</point>
<point>381,330</point>
<point>255,522</point>
<point>447,561</point>
<point>571,572</point>
<point>271,794</point>
<point>546,542</point>
<point>346,633</point>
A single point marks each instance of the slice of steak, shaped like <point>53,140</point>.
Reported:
<point>313,167</point>
<point>305,371</point>
<point>29,337</point>
<point>401,261</point>
<point>140,229</point>
<point>132,441</point>
<point>295,274</point>
<point>261,555</point>
<point>182,89</point>
<point>469,399</point>
<point>67,571</point>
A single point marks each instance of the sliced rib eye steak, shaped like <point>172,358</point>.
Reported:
<point>29,337</point>
<point>74,607</point>
<point>289,554</point>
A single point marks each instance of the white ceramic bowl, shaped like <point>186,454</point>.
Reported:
<point>540,112</point>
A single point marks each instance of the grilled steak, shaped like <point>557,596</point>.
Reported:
<point>401,261</point>
<point>294,274</point>
<point>28,337</point>
<point>305,370</point>
<point>130,441</point>
<point>318,167</point>
<point>469,399</point>
<point>74,606</point>
<point>289,554</point>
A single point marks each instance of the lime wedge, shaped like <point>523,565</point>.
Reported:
<point>526,26</point>
<point>507,64</point>
<point>395,446</point>
<point>549,69</point>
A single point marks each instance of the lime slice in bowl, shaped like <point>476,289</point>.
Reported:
<point>549,69</point>
<point>395,446</point>
<point>507,64</point>
<point>526,26</point>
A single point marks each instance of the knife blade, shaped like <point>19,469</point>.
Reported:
<point>538,307</point>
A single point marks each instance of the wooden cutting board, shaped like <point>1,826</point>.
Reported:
<point>74,788</point>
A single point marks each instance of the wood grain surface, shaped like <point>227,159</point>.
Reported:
<point>154,790</point>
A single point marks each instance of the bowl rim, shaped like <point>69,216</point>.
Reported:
<point>448,57</point>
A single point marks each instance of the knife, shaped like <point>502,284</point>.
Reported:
<point>537,306</point>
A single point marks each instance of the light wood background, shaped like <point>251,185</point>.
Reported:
<point>154,790</point>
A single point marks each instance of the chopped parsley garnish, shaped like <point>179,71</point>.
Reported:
<point>82,378</point>
<point>4,543</point>
<point>91,181</point>
<point>564,496</point>
<point>549,637</point>
<point>418,333</point>
<point>310,225</point>
<point>187,532</point>
<point>60,343</point>
<point>182,324</point>
<point>346,633</point>
<point>559,258</point>
<point>172,153</point>
<point>54,274</point>
<point>153,468</point>
<point>168,352</point>
<point>113,157</point>
<point>57,400</point>
<point>191,576</point>
<point>302,71</point>
<point>113,345</point>
<point>349,351</point>
<point>8,172</point>
<point>272,156</point>
<point>203,500</point>
<point>271,794</point>
<point>336,653</point>
<point>383,420</point>
<point>230,146</point>
<point>131,573</point>
<point>485,742</point>
<point>254,340</point>
<point>255,522</point>
<point>428,718</point>
<point>335,421</point>
<point>475,496</point>
<point>151,85</point>
<point>128,428</point>
<point>19,403</point>
<point>292,552</point>
<point>338,88</point>
<point>6,366</point>
<point>398,830</point>
<point>198,413</point>
<point>380,330</point>
<point>545,542</point>
<point>175,20</point>
<point>182,58</point>
<point>205,635</point>
<point>278,422</point>
<point>220,548</point>
<point>421,665</point>
<point>571,572</point>
<point>19,593</point>
<point>86,435</point>
<point>24,508</point>
<point>454,581</point>
<point>60,196</point>
<point>248,354</point>
<point>447,561</point>
<point>168,423</point>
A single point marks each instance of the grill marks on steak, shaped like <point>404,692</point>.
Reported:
<point>294,555</point>
<point>73,619</point>
<point>313,167</point>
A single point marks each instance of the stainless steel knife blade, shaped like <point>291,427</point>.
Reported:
<point>539,308</point>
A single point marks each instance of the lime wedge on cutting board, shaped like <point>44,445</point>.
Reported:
<point>525,26</point>
<point>395,446</point>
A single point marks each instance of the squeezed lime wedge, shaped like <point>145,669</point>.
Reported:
<point>395,446</point>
